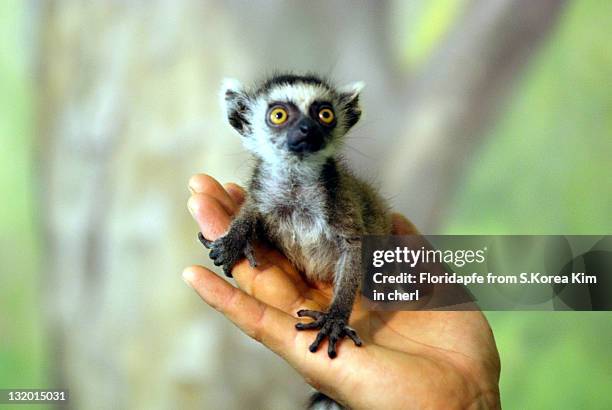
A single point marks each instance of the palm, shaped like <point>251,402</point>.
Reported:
<point>409,359</point>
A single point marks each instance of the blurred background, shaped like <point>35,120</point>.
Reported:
<point>482,117</point>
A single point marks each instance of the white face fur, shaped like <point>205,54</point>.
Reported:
<point>270,144</point>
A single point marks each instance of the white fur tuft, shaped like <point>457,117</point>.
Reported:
<point>353,89</point>
<point>231,84</point>
<point>228,84</point>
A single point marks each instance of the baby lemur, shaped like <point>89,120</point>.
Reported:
<point>301,197</point>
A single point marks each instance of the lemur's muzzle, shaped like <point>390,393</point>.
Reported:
<point>305,136</point>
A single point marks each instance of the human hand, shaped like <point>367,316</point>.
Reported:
<point>410,359</point>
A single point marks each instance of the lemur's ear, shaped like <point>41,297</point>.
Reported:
<point>235,102</point>
<point>349,97</point>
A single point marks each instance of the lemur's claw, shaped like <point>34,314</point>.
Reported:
<point>332,326</point>
<point>250,255</point>
<point>207,244</point>
<point>228,271</point>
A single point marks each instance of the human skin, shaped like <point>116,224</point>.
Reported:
<point>409,359</point>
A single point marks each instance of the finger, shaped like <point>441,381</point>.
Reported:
<point>272,285</point>
<point>205,184</point>
<point>211,216</point>
<point>263,323</point>
<point>276,258</point>
<point>236,192</point>
<point>402,226</point>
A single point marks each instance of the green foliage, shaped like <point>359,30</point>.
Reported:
<point>429,21</point>
<point>22,360</point>
<point>433,21</point>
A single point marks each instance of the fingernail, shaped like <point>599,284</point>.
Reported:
<point>191,206</point>
<point>188,276</point>
<point>193,187</point>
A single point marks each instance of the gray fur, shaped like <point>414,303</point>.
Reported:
<point>308,203</point>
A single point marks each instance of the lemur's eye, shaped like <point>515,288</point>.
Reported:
<point>278,116</point>
<point>326,116</point>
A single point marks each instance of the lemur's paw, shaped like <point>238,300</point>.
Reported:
<point>332,326</point>
<point>226,251</point>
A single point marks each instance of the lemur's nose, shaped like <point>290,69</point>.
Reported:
<point>305,137</point>
<point>305,128</point>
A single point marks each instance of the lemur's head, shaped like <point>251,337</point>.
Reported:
<point>291,117</point>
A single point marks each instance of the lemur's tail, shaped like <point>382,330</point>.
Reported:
<point>319,401</point>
